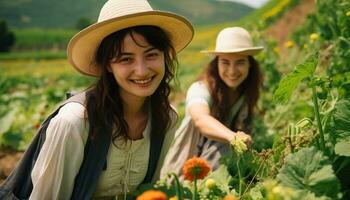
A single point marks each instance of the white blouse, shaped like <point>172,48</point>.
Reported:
<point>62,154</point>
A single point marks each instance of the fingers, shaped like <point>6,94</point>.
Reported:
<point>245,137</point>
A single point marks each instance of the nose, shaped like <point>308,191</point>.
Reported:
<point>141,68</point>
<point>233,69</point>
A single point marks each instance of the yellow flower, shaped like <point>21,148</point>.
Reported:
<point>238,144</point>
<point>289,44</point>
<point>306,46</point>
<point>348,13</point>
<point>314,36</point>
<point>173,198</point>
<point>152,195</point>
<point>276,49</point>
<point>210,184</point>
<point>195,168</point>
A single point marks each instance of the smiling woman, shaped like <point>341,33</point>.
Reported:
<point>113,137</point>
<point>219,107</point>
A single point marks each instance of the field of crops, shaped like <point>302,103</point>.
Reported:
<point>301,133</point>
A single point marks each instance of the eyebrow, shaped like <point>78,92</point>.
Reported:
<point>127,53</point>
<point>223,59</point>
<point>242,60</point>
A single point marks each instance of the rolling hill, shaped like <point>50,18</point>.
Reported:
<point>66,13</point>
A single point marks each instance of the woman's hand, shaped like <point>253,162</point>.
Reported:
<point>245,137</point>
<point>240,142</point>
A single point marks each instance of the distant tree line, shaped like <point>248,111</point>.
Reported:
<point>7,37</point>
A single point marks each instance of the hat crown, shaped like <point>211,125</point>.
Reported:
<point>119,8</point>
<point>233,38</point>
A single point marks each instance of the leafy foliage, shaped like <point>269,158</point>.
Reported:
<point>341,127</point>
<point>292,80</point>
<point>308,170</point>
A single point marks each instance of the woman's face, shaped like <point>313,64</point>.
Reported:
<point>140,68</point>
<point>233,69</point>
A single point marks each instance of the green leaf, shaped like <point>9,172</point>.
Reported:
<point>222,178</point>
<point>342,147</point>
<point>341,127</point>
<point>308,170</point>
<point>7,120</point>
<point>341,119</point>
<point>292,80</point>
<point>255,192</point>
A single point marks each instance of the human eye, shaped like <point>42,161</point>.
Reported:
<point>152,55</point>
<point>225,62</point>
<point>125,60</point>
<point>242,63</point>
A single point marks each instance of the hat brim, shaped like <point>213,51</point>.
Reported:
<point>241,51</point>
<point>82,47</point>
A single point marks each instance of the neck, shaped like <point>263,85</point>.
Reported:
<point>133,105</point>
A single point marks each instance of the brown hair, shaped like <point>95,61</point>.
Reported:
<point>104,107</point>
<point>250,88</point>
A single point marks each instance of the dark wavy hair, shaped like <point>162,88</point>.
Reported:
<point>104,105</point>
<point>219,91</point>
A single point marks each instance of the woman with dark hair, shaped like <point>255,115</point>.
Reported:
<point>108,140</point>
<point>219,107</point>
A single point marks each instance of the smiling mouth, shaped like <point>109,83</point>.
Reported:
<point>142,82</point>
<point>234,78</point>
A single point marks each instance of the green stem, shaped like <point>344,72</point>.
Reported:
<point>178,187</point>
<point>318,118</point>
<point>195,195</point>
<point>239,176</point>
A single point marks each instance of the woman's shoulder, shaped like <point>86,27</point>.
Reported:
<point>199,84</point>
<point>72,111</point>
<point>72,116</point>
<point>173,116</point>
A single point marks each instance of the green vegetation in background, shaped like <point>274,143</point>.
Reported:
<point>42,39</point>
<point>7,38</point>
<point>66,13</point>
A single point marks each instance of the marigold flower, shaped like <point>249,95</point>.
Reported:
<point>314,36</point>
<point>195,168</point>
<point>230,197</point>
<point>348,13</point>
<point>152,195</point>
<point>306,46</point>
<point>289,44</point>
<point>173,198</point>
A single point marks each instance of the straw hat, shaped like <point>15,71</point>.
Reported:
<point>116,15</point>
<point>234,40</point>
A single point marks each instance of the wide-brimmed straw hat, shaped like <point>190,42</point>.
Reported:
<point>234,40</point>
<point>116,15</point>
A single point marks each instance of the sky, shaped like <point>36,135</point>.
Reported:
<point>252,3</point>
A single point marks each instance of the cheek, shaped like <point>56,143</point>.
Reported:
<point>221,72</point>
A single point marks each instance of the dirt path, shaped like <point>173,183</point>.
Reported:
<point>8,160</point>
<point>295,17</point>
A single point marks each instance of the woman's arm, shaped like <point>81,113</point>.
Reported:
<point>210,126</point>
<point>60,157</point>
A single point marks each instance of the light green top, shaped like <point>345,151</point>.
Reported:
<point>62,154</point>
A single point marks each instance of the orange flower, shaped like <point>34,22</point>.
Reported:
<point>152,195</point>
<point>195,168</point>
<point>230,197</point>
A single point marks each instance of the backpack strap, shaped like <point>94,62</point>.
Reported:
<point>94,161</point>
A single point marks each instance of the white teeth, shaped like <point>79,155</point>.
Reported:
<point>144,81</point>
